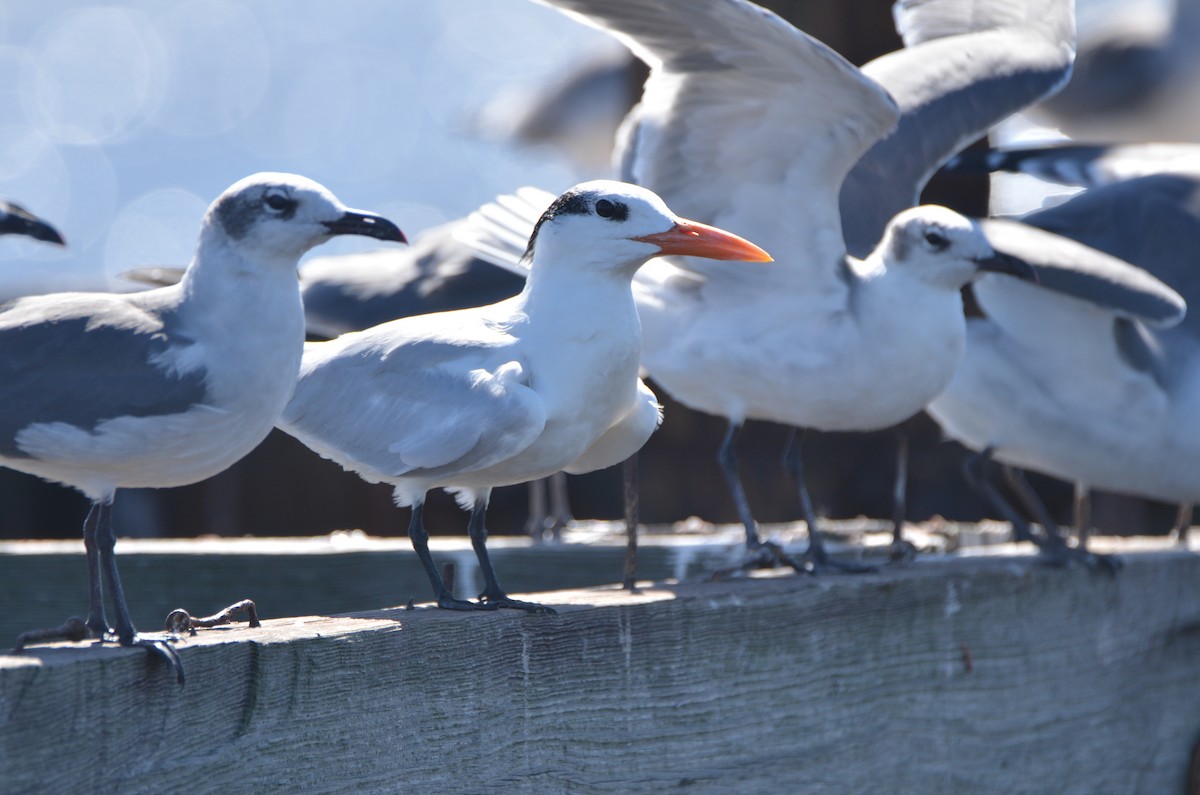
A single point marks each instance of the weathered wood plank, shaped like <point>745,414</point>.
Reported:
<point>951,675</point>
<point>334,574</point>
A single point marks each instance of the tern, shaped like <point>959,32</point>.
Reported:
<point>478,398</point>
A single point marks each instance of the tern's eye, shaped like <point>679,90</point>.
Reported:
<point>937,240</point>
<point>614,211</point>
<point>279,202</point>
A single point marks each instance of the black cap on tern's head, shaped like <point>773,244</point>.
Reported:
<point>273,215</point>
<point>16,220</point>
<point>621,224</point>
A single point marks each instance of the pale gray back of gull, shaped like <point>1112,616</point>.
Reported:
<point>437,273</point>
<point>170,386</point>
<point>502,394</point>
<point>752,125</point>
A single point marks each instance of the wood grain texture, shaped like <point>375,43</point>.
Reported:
<point>983,674</point>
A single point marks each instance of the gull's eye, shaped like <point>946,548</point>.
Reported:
<point>614,211</point>
<point>937,240</point>
<point>279,202</point>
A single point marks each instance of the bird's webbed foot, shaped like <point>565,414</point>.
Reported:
<point>818,561</point>
<point>1054,551</point>
<point>497,599</point>
<point>448,602</point>
<point>760,555</point>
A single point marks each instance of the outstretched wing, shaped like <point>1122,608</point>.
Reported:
<point>746,122</point>
<point>967,65</point>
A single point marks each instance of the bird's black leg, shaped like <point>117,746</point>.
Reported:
<point>901,548</point>
<point>127,635</point>
<point>629,481</point>
<point>75,629</point>
<point>97,623</point>
<point>975,471</point>
<point>759,554</point>
<point>492,595</point>
<point>816,555</point>
<point>727,458</point>
<point>560,505</point>
<point>1051,545</point>
<point>420,541</point>
<point>549,508</point>
<point>1083,513</point>
<point>1054,547</point>
<point>1183,521</point>
<point>1033,506</point>
<point>535,525</point>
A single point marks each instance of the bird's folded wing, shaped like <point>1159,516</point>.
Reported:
<point>1072,268</point>
<point>83,358</point>
<point>418,407</point>
<point>743,113</point>
<point>968,65</point>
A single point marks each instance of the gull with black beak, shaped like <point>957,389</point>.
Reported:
<point>752,125</point>
<point>170,386</point>
<point>505,393</point>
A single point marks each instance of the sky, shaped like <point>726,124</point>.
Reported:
<point>120,122</point>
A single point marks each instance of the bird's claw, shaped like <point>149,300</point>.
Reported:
<point>763,555</point>
<point>163,649</point>
<point>448,602</point>
<point>76,629</point>
<point>495,601</point>
<point>818,561</point>
<point>1060,555</point>
<point>902,551</point>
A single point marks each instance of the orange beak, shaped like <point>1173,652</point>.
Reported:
<point>700,240</point>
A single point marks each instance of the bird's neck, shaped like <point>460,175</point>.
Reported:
<point>577,293</point>
<point>222,286</point>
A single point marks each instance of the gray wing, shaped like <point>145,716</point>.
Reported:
<point>1085,165</point>
<point>966,67</point>
<point>82,358</point>
<point>742,113</point>
<point>1152,222</point>
<point>419,397</point>
<point>1071,268</point>
<point>436,273</point>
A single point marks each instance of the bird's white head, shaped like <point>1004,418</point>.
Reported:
<point>938,246</point>
<point>616,226</point>
<point>278,217</point>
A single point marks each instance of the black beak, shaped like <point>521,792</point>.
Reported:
<point>368,224</point>
<point>16,220</point>
<point>1016,267</point>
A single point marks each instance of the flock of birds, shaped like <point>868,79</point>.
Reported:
<point>1082,364</point>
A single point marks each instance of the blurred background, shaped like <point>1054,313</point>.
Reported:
<point>120,122</point>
